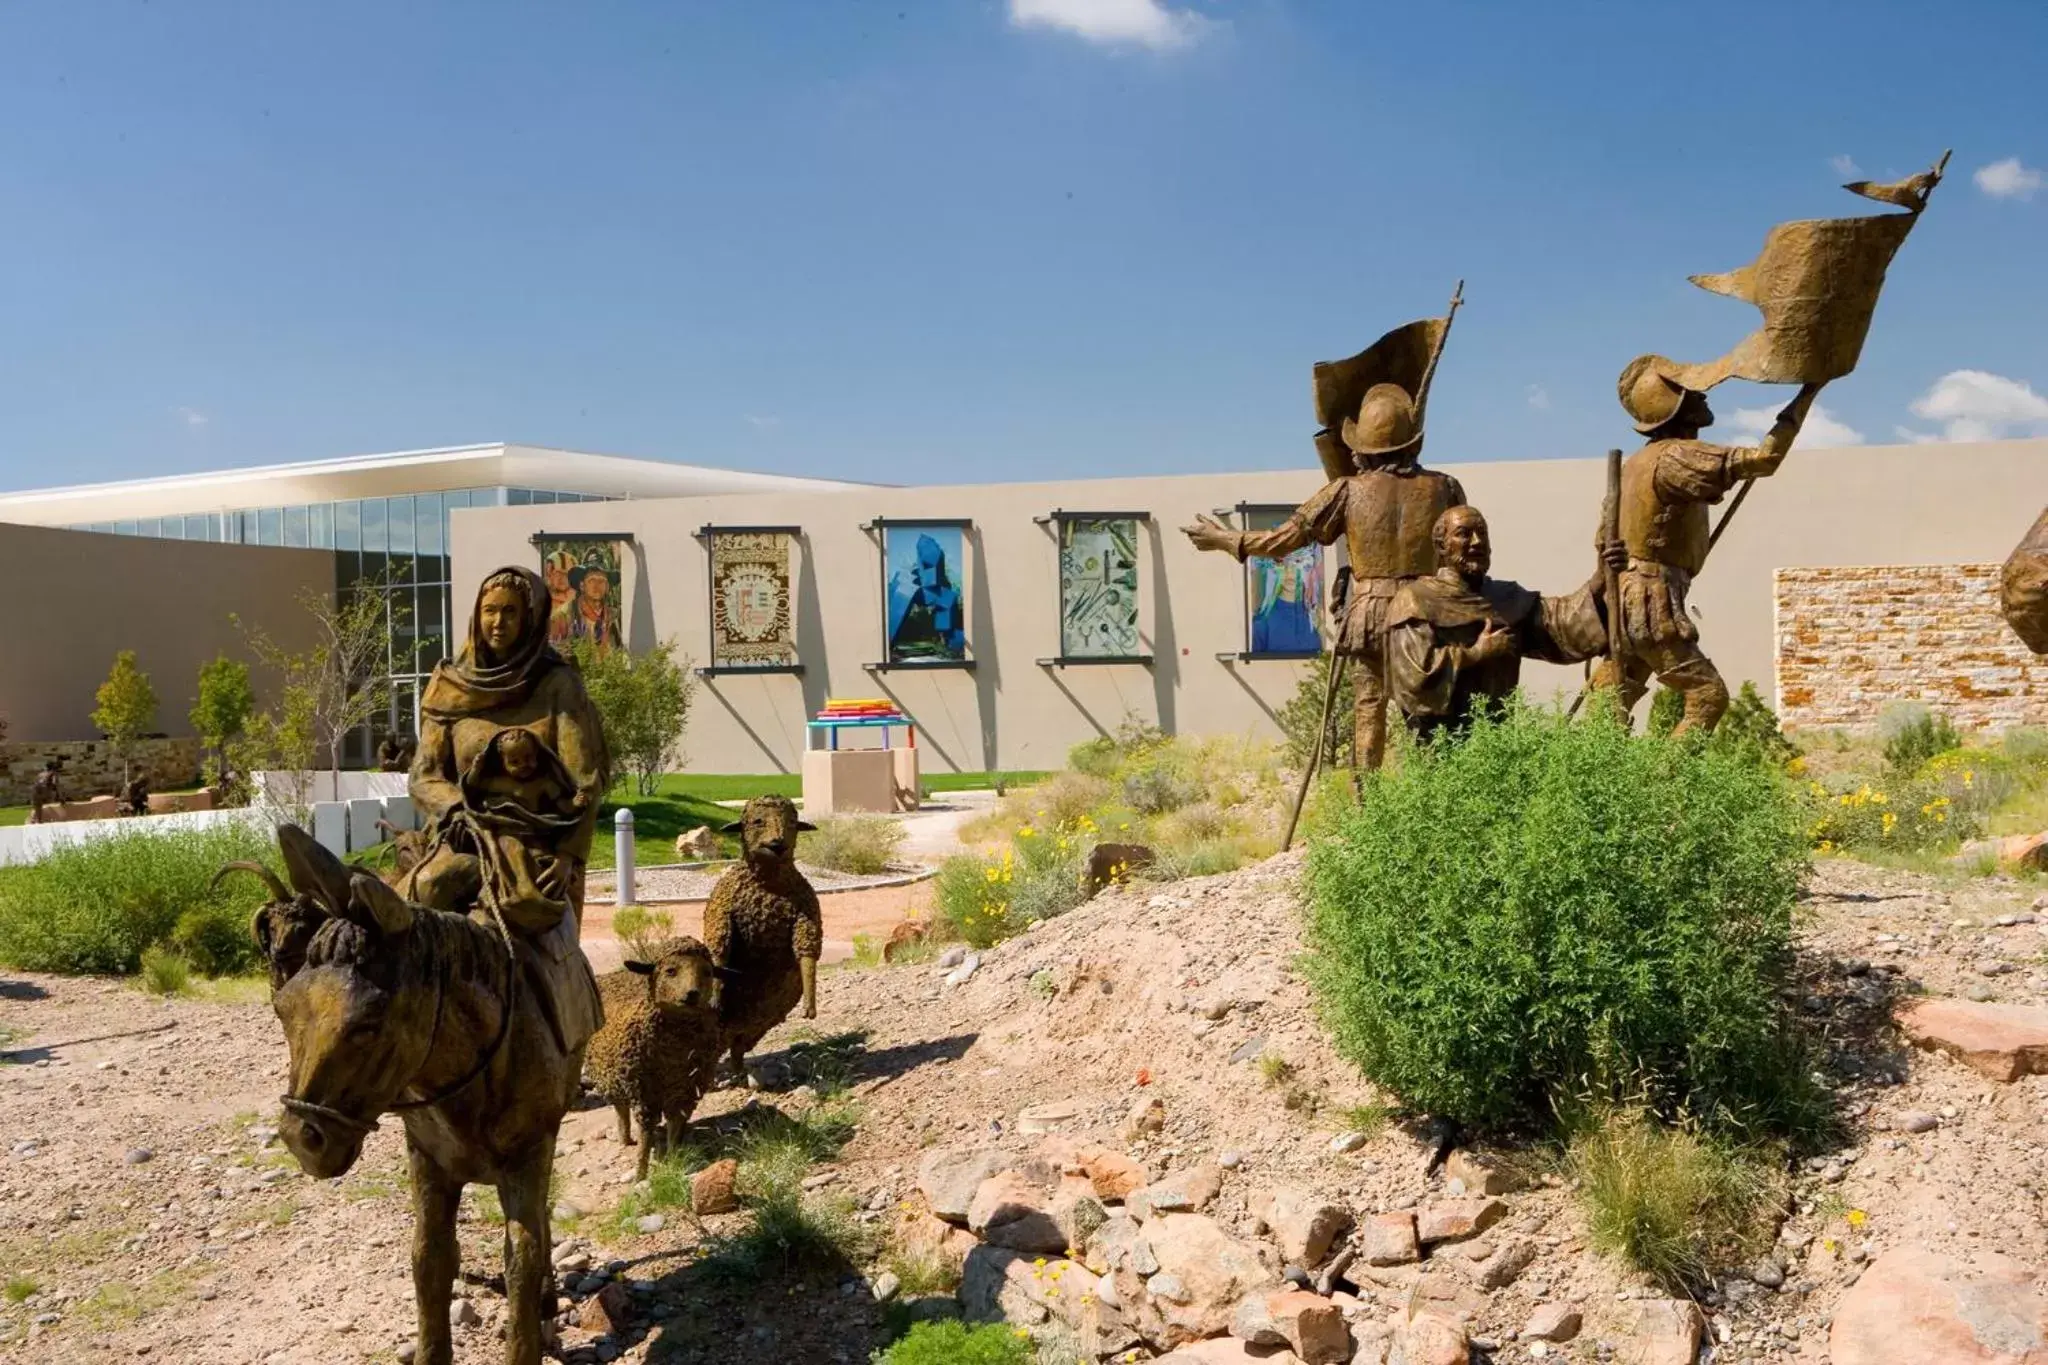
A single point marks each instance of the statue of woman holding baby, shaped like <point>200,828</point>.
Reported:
<point>510,768</point>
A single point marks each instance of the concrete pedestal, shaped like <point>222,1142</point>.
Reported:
<point>851,781</point>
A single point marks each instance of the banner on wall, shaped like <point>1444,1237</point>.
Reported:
<point>1283,597</point>
<point>923,592</point>
<point>1098,587</point>
<point>586,589</point>
<point>753,620</point>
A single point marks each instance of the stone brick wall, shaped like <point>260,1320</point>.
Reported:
<point>92,768</point>
<point>1851,639</point>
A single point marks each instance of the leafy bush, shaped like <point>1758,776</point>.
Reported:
<point>1304,712</point>
<point>1667,708</point>
<point>164,972</point>
<point>641,930</point>
<point>1748,728</point>
<point>955,1343</point>
<point>127,707</point>
<point>1549,909</point>
<point>644,701</point>
<point>1918,737</point>
<point>859,844</point>
<point>1669,1202</point>
<point>987,897</point>
<point>1903,817</point>
<point>95,907</point>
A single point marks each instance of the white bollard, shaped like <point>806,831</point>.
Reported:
<point>622,824</point>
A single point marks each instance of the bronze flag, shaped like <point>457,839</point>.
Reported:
<point>1405,356</point>
<point>1816,282</point>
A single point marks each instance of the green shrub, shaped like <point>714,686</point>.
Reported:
<point>1303,713</point>
<point>1917,737</point>
<point>1549,909</point>
<point>858,844</point>
<point>1667,708</point>
<point>987,897</point>
<point>95,907</point>
<point>1669,1202</point>
<point>641,930</point>
<point>1897,817</point>
<point>955,1343</point>
<point>163,972</point>
<point>1097,757</point>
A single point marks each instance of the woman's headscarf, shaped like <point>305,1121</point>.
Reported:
<point>465,686</point>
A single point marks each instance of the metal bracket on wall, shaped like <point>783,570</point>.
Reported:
<point>1069,661</point>
<point>538,536</point>
<point>1061,514</point>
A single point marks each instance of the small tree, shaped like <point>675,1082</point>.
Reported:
<point>220,713</point>
<point>644,705</point>
<point>1304,712</point>
<point>127,708</point>
<point>344,679</point>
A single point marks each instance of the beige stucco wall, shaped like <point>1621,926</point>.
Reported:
<point>1903,504</point>
<point>80,598</point>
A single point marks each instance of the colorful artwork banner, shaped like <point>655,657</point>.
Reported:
<point>1098,588</point>
<point>753,623</point>
<point>924,602</point>
<point>1284,597</point>
<point>586,590</point>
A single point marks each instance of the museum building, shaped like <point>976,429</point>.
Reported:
<point>1008,621</point>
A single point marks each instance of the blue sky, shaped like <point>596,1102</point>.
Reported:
<point>937,240</point>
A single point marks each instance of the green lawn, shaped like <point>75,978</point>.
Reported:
<point>13,815</point>
<point>687,800</point>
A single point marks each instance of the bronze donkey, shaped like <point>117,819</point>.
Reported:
<point>394,1007</point>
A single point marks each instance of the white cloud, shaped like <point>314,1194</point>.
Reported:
<point>763,423</point>
<point>1539,397</point>
<point>1146,23</point>
<point>2008,179</point>
<point>1822,427</point>
<point>1973,405</point>
<point>191,417</point>
<point>1845,165</point>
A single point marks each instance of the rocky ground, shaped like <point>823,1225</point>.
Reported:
<point>1095,1083</point>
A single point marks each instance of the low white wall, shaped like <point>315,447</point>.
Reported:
<point>283,788</point>
<point>32,843</point>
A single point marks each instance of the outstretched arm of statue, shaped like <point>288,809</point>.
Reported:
<point>1319,521</point>
<point>1763,459</point>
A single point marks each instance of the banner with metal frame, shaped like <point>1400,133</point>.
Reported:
<point>750,595</point>
<point>1098,587</point>
<point>924,593</point>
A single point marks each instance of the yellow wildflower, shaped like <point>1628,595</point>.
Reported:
<point>1857,1218</point>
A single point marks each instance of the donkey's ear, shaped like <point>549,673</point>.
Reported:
<point>260,930</point>
<point>385,910</point>
<point>734,827</point>
<point>725,973</point>
<point>643,968</point>
<point>313,871</point>
<point>806,827</point>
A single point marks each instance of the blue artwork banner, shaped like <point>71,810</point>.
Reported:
<point>924,593</point>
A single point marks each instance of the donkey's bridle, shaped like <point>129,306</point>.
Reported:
<point>307,1109</point>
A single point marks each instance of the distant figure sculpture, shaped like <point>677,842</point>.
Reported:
<point>135,795</point>
<point>1666,488</point>
<point>46,791</point>
<point>1458,637</point>
<point>1379,501</point>
<point>2024,589</point>
<point>394,755</point>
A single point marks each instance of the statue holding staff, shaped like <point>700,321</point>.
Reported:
<point>1379,501</point>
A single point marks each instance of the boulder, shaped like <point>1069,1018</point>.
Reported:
<point>998,1284</point>
<point>1469,1173</point>
<point>1203,1275</point>
<point>1077,1213</point>
<point>1109,864</point>
<point>1014,1212</point>
<point>949,1180</point>
<point>1915,1305</point>
<point>927,1237</point>
<point>1113,1174</point>
<point>1307,1324</point>
<point>711,1189</point>
<point>1147,1116</point>
<point>607,1312</point>
<point>1227,1351</point>
<point>1427,1339</point>
<point>1552,1322</point>
<point>1120,1244</point>
<point>1503,1265</point>
<point>906,935</point>
<point>1663,1332</point>
<point>697,845</point>
<point>1188,1191</point>
<point>1454,1220</point>
<point>1305,1225</point>
<point>1389,1239</point>
<point>2002,1042</point>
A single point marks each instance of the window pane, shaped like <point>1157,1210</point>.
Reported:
<point>173,528</point>
<point>431,627</point>
<point>298,531</point>
<point>270,526</point>
<point>323,526</point>
<point>373,526</point>
<point>195,527</point>
<point>517,497</point>
<point>455,498</point>
<point>542,495</point>
<point>348,525</point>
<point>427,535</point>
<point>398,515</point>
<point>124,528</point>
<point>149,526</point>
<point>247,534</point>
<point>432,569</point>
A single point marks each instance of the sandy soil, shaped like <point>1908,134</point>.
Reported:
<point>212,1249</point>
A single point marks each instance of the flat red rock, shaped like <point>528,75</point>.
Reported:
<point>2002,1042</point>
<point>1916,1307</point>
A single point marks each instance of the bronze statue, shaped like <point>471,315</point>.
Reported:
<point>390,1007</point>
<point>135,795</point>
<point>47,790</point>
<point>458,994</point>
<point>1816,282</point>
<point>1378,500</point>
<point>394,755</point>
<point>2024,588</point>
<point>1458,636</point>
